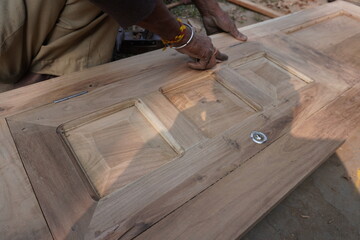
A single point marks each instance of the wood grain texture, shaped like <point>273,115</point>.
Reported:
<point>269,78</point>
<point>21,217</point>
<point>249,192</point>
<point>38,94</point>
<point>64,194</point>
<point>209,105</point>
<point>230,207</point>
<point>199,168</point>
<point>338,37</point>
<point>51,175</point>
<point>185,133</point>
<point>125,147</point>
<point>128,212</point>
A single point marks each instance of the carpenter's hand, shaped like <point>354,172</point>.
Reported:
<point>220,21</point>
<point>203,52</point>
<point>216,20</point>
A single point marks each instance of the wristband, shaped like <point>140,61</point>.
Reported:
<point>189,40</point>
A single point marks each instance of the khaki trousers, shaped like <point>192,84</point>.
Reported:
<point>53,37</point>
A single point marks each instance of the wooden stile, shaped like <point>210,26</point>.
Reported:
<point>155,150</point>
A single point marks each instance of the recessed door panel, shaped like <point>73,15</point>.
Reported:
<point>114,149</point>
<point>337,36</point>
<point>210,105</point>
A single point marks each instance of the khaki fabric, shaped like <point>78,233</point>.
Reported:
<point>52,37</point>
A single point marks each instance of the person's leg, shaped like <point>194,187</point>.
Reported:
<point>83,37</point>
<point>52,37</point>
<point>24,27</point>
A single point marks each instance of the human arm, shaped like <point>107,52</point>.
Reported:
<point>215,19</point>
<point>157,18</point>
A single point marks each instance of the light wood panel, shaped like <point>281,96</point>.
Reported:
<point>129,211</point>
<point>175,123</point>
<point>250,191</point>
<point>269,77</point>
<point>212,107</point>
<point>36,95</point>
<point>75,204</point>
<point>125,147</point>
<point>337,36</point>
<point>65,196</point>
<point>21,216</point>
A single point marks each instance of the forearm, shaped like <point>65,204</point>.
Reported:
<point>207,7</point>
<point>161,22</point>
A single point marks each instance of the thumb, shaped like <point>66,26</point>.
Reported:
<point>236,34</point>
<point>220,56</point>
<point>203,64</point>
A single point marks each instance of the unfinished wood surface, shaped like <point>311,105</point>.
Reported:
<point>240,199</point>
<point>130,210</point>
<point>175,123</point>
<point>337,36</point>
<point>42,93</point>
<point>126,147</point>
<point>21,217</point>
<point>76,203</point>
<point>58,180</point>
<point>212,107</point>
<point>257,8</point>
<point>270,78</point>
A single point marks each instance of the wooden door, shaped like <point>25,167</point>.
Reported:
<point>112,163</point>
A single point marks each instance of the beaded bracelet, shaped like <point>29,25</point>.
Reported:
<point>179,37</point>
<point>189,40</point>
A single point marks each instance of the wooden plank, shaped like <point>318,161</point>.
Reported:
<point>282,23</point>
<point>130,201</point>
<point>240,199</point>
<point>76,203</point>
<point>209,105</point>
<point>184,132</point>
<point>137,206</point>
<point>125,147</point>
<point>337,37</point>
<point>252,190</point>
<point>199,168</point>
<point>257,8</point>
<point>21,217</point>
<point>137,212</point>
<point>172,5</point>
<point>38,94</point>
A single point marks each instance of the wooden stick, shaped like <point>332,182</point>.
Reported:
<point>257,8</point>
<point>172,5</point>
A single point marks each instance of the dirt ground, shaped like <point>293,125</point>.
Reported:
<point>243,17</point>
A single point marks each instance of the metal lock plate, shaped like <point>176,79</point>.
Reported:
<point>258,137</point>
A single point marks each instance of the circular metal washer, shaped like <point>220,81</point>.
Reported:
<point>258,137</point>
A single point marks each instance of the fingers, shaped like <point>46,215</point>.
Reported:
<point>207,63</point>
<point>220,56</point>
<point>236,34</point>
<point>222,21</point>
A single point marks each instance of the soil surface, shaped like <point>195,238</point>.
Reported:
<point>242,16</point>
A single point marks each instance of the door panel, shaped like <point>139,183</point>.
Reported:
<point>209,105</point>
<point>131,157</point>
<point>338,36</point>
<point>123,157</point>
<point>115,148</point>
